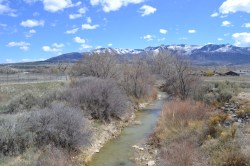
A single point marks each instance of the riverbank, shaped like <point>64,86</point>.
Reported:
<point>104,133</point>
<point>219,137</point>
<point>120,151</point>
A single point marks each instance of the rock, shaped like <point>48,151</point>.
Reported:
<point>234,116</point>
<point>137,123</point>
<point>151,163</point>
<point>234,109</point>
<point>137,147</point>
<point>141,149</point>
<point>227,123</point>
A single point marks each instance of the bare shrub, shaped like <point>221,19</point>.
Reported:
<point>60,126</point>
<point>220,92</point>
<point>102,99</point>
<point>53,156</point>
<point>136,78</point>
<point>46,99</point>
<point>24,101</point>
<point>15,137</point>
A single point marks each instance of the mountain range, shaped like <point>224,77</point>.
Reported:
<point>207,54</point>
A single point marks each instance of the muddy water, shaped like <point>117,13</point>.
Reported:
<point>119,151</point>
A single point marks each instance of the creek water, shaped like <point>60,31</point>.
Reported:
<point>119,151</point>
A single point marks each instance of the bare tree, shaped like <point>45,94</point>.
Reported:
<point>180,79</point>
<point>101,65</point>
<point>136,78</point>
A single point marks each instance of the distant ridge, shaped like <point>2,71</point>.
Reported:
<point>74,56</point>
<point>211,53</point>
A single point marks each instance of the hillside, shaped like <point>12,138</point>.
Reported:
<point>207,54</point>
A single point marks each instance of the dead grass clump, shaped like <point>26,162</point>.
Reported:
<point>154,94</point>
<point>179,153</point>
<point>244,111</point>
<point>235,159</point>
<point>178,116</point>
<point>217,118</point>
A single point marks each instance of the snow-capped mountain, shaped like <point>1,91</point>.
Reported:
<point>118,51</point>
<point>208,53</point>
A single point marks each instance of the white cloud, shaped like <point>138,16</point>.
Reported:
<point>163,31</point>
<point>215,14</point>
<point>114,5</point>
<point>79,13</point>
<point>89,21</point>
<point>82,10</point>
<point>9,61</point>
<point>89,27</point>
<point>191,31</point>
<point>147,10</point>
<point>3,25</point>
<point>161,39</point>
<point>30,1</point>
<point>58,5</point>
<point>85,46</point>
<point>233,6</point>
<point>32,23</point>
<point>226,23</point>
<point>30,33</point>
<point>183,38</point>
<point>79,40</point>
<point>56,45</point>
<point>148,37</point>
<point>5,9</point>
<point>110,45</point>
<point>75,16</point>
<point>242,39</point>
<point>246,25</point>
<point>22,45</point>
<point>72,31</point>
<point>82,42</point>
<point>32,60</point>
<point>220,39</point>
<point>35,14</point>
<point>55,48</point>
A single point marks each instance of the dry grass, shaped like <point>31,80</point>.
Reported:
<point>235,159</point>
<point>177,117</point>
<point>179,154</point>
<point>177,133</point>
<point>245,110</point>
<point>240,79</point>
<point>217,118</point>
<point>9,91</point>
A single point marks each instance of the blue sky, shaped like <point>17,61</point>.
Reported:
<point>39,29</point>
